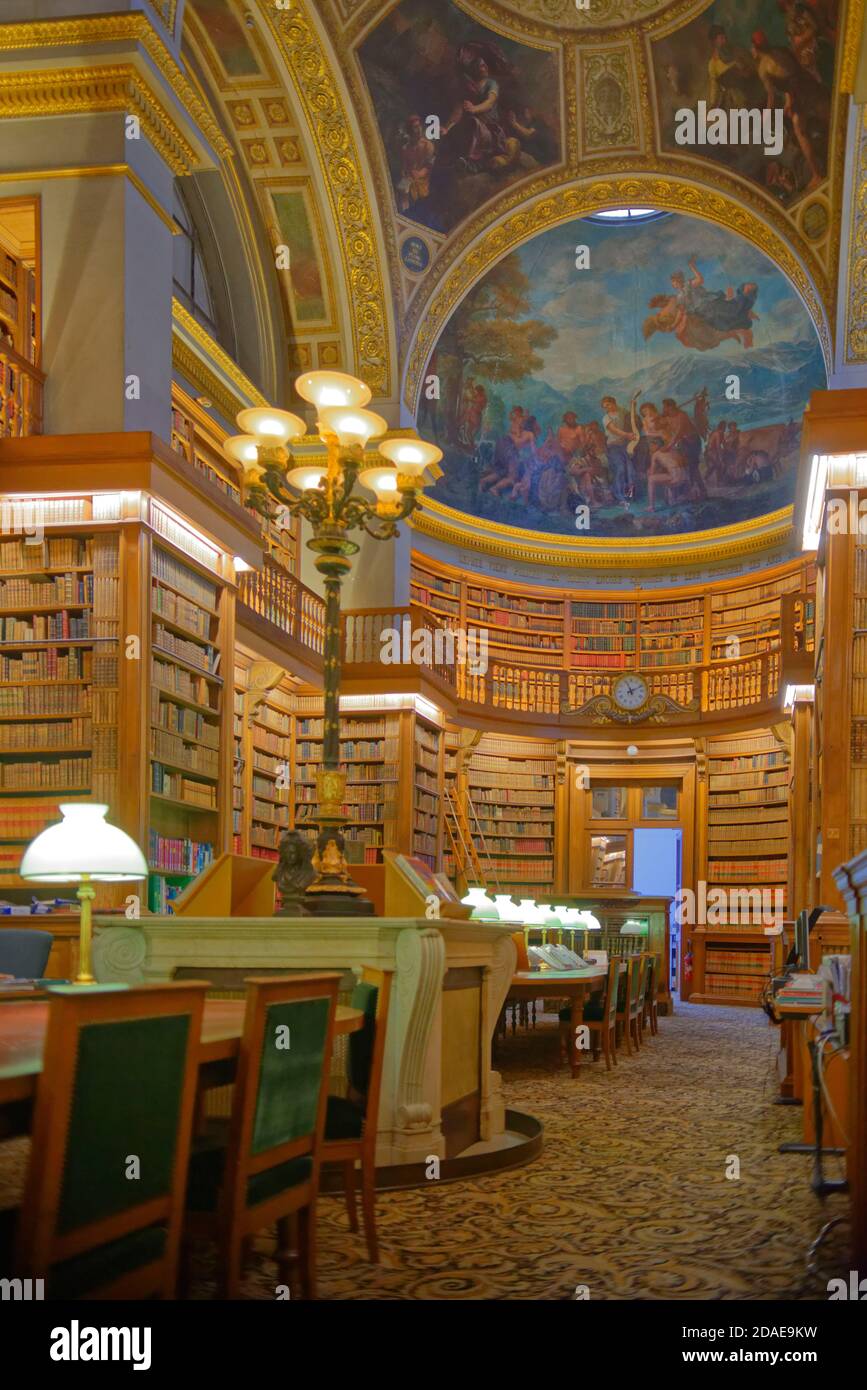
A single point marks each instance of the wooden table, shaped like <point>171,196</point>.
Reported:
<point>23,1026</point>
<point>573,985</point>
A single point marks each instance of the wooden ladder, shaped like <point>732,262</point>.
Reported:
<point>463,846</point>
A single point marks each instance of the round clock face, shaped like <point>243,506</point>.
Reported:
<point>630,692</point>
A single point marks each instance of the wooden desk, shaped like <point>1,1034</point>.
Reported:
<point>22,1039</point>
<point>573,985</point>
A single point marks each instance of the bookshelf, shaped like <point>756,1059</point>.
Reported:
<point>747,621</point>
<point>59,634</point>
<point>240,834</point>
<point>517,626</point>
<point>511,783</point>
<point>671,633</point>
<point>199,439</point>
<point>186,713</point>
<point>603,635</point>
<point>732,964</point>
<point>451,767</point>
<point>427,763</point>
<point>269,793</point>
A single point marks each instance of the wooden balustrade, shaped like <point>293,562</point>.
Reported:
<point>21,391</point>
<point>289,605</point>
<point>698,691</point>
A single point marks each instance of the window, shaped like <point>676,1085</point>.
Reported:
<point>659,803</point>
<point>607,861</point>
<point>608,803</point>
<point>625,215</point>
<point>190,277</point>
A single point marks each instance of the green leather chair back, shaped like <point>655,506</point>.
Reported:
<point>636,979</point>
<point>126,1102</point>
<point>290,1073</point>
<point>613,982</point>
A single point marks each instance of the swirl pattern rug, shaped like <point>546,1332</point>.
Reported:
<point>628,1198</point>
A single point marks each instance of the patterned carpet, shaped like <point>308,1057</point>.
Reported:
<point>629,1196</point>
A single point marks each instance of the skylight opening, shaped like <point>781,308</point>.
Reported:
<point>625,215</point>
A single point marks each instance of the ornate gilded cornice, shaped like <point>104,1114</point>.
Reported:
<point>166,9</point>
<point>540,547</point>
<point>471,259</point>
<point>851,44</point>
<point>197,370</point>
<point>856,300</point>
<point>115,88</point>
<point>310,69</point>
<point>135,27</point>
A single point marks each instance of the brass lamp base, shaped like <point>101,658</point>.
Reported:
<point>333,893</point>
<point>85,894</point>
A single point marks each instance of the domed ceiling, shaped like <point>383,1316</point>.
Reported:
<point>623,380</point>
<point>413,153</point>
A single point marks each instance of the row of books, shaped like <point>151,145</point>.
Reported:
<point>775,758</point>
<point>352,749</point>
<point>732,986</point>
<point>763,796</point>
<point>46,592</point>
<point>731,781</point>
<point>172,749</point>
<point>17,700</point>
<point>69,733</point>
<point>749,743</point>
<point>49,627</point>
<point>65,772</point>
<point>773,815</point>
<point>174,680</point>
<point>180,610</point>
<point>681,656</point>
<point>743,614</point>
<point>514,780</point>
<point>747,871</point>
<point>173,571</point>
<point>683,608</point>
<point>32,556</point>
<point>603,643</point>
<point>275,720</point>
<point>172,784</point>
<point>858,794</point>
<point>187,723</point>
<point>270,812</point>
<point>24,820</point>
<point>178,855</point>
<point>206,657</point>
<point>268,741</point>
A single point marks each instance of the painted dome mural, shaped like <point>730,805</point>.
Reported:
<point>623,380</point>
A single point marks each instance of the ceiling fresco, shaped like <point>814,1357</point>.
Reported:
<point>656,389</point>
<point>401,148</point>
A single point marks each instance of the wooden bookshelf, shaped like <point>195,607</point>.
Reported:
<point>602,635</point>
<point>732,964</point>
<point>59,635</point>
<point>511,784</point>
<point>270,782</point>
<point>240,830</point>
<point>427,763</point>
<point>186,717</point>
<point>199,439</point>
<point>748,814</point>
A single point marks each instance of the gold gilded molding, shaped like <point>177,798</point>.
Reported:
<point>851,44</point>
<point>96,171</point>
<point>856,298</point>
<point>114,28</point>
<point>166,9</point>
<point>116,88</point>
<point>201,374</point>
<point>610,117</point>
<point>427,319</point>
<point>310,69</point>
<point>512,543</point>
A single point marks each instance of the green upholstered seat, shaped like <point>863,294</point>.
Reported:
<point>343,1119</point>
<point>364,997</point>
<point>206,1179</point>
<point>593,1011</point>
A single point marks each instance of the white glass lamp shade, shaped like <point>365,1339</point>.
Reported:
<point>352,426</point>
<point>549,917</point>
<point>83,845</point>
<point>242,449</point>
<point>509,911</point>
<point>382,481</point>
<point>410,456</point>
<point>530,913</point>
<point>483,907</point>
<point>306,476</point>
<point>587,922</point>
<point>271,427</point>
<point>325,389</point>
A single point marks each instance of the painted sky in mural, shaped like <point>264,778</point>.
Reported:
<point>657,392</point>
<point>748,54</point>
<point>497,102</point>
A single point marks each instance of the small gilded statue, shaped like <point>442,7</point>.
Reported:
<point>293,873</point>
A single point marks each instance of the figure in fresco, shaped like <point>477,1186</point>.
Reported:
<point>700,318</point>
<point>416,161</point>
<point>475,403</point>
<point>805,100</point>
<point>512,454</point>
<point>531,128</point>
<point>685,438</point>
<point>618,433</point>
<point>725,76</point>
<point>474,138</point>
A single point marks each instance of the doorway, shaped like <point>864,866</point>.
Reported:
<point>656,873</point>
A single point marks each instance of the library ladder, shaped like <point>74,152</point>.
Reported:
<point>463,845</point>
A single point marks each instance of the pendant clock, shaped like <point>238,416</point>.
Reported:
<point>630,693</point>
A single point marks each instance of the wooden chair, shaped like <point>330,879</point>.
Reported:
<point>262,1166</point>
<point>600,1016</point>
<point>104,1193</point>
<point>629,1005</point>
<point>650,1013</point>
<point>350,1123</point>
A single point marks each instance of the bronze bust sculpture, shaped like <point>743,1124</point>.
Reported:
<point>293,873</point>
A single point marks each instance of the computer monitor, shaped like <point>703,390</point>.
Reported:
<point>802,940</point>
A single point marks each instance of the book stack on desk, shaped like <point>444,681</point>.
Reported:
<point>802,989</point>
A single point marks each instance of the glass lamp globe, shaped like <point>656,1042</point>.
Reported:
<point>382,481</point>
<point>410,456</point>
<point>272,428</point>
<point>306,477</point>
<point>242,449</point>
<point>483,908</point>
<point>352,426</point>
<point>325,389</point>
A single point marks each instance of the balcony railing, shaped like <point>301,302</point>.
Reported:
<point>285,602</point>
<point>21,389</point>
<point>387,640</point>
